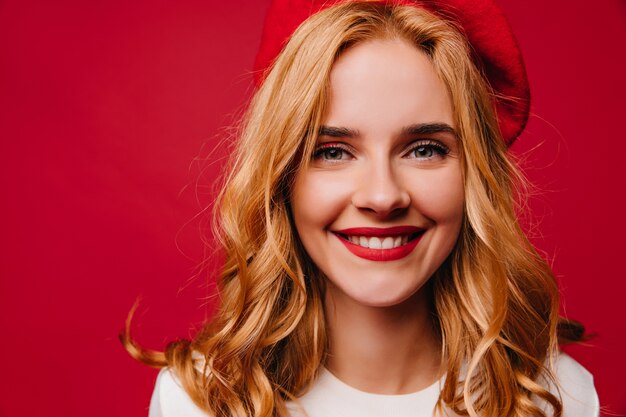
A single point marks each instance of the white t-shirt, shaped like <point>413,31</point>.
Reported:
<point>330,397</point>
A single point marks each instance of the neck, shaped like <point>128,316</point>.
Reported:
<point>383,350</point>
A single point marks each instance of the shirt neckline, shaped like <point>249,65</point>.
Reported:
<point>327,379</point>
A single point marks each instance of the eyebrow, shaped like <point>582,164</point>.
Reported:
<point>337,132</point>
<point>423,128</point>
<point>411,130</point>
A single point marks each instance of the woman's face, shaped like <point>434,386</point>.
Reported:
<point>381,204</point>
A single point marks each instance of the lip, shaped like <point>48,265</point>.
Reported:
<point>380,255</point>
<point>380,231</point>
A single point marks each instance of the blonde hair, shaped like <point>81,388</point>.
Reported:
<point>496,300</point>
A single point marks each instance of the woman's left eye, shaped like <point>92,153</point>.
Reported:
<point>428,149</point>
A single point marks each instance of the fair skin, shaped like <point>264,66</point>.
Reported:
<point>378,210</point>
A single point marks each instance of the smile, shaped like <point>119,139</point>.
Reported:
<point>380,244</point>
<point>374,242</point>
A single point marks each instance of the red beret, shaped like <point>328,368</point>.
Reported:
<point>483,22</point>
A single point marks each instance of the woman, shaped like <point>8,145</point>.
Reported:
<point>374,264</point>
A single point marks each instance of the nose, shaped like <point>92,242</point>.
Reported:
<point>380,191</point>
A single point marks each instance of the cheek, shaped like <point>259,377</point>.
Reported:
<point>318,198</point>
<point>440,195</point>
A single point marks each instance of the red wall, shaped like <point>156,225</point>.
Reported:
<point>108,113</point>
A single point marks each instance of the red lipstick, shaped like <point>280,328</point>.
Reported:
<point>414,233</point>
<point>380,231</point>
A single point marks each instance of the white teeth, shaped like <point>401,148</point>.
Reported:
<point>375,242</point>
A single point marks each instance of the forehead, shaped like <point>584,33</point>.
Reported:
<point>386,81</point>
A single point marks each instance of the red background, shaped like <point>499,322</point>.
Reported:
<point>108,113</point>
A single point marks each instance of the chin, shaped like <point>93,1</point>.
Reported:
<point>380,296</point>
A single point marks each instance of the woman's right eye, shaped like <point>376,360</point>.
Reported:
<point>331,152</point>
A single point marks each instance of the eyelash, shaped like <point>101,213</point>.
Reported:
<point>319,151</point>
<point>436,146</point>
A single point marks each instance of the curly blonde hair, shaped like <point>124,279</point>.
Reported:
<point>495,298</point>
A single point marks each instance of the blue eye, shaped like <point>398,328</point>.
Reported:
<point>428,149</point>
<point>331,152</point>
<point>424,151</point>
